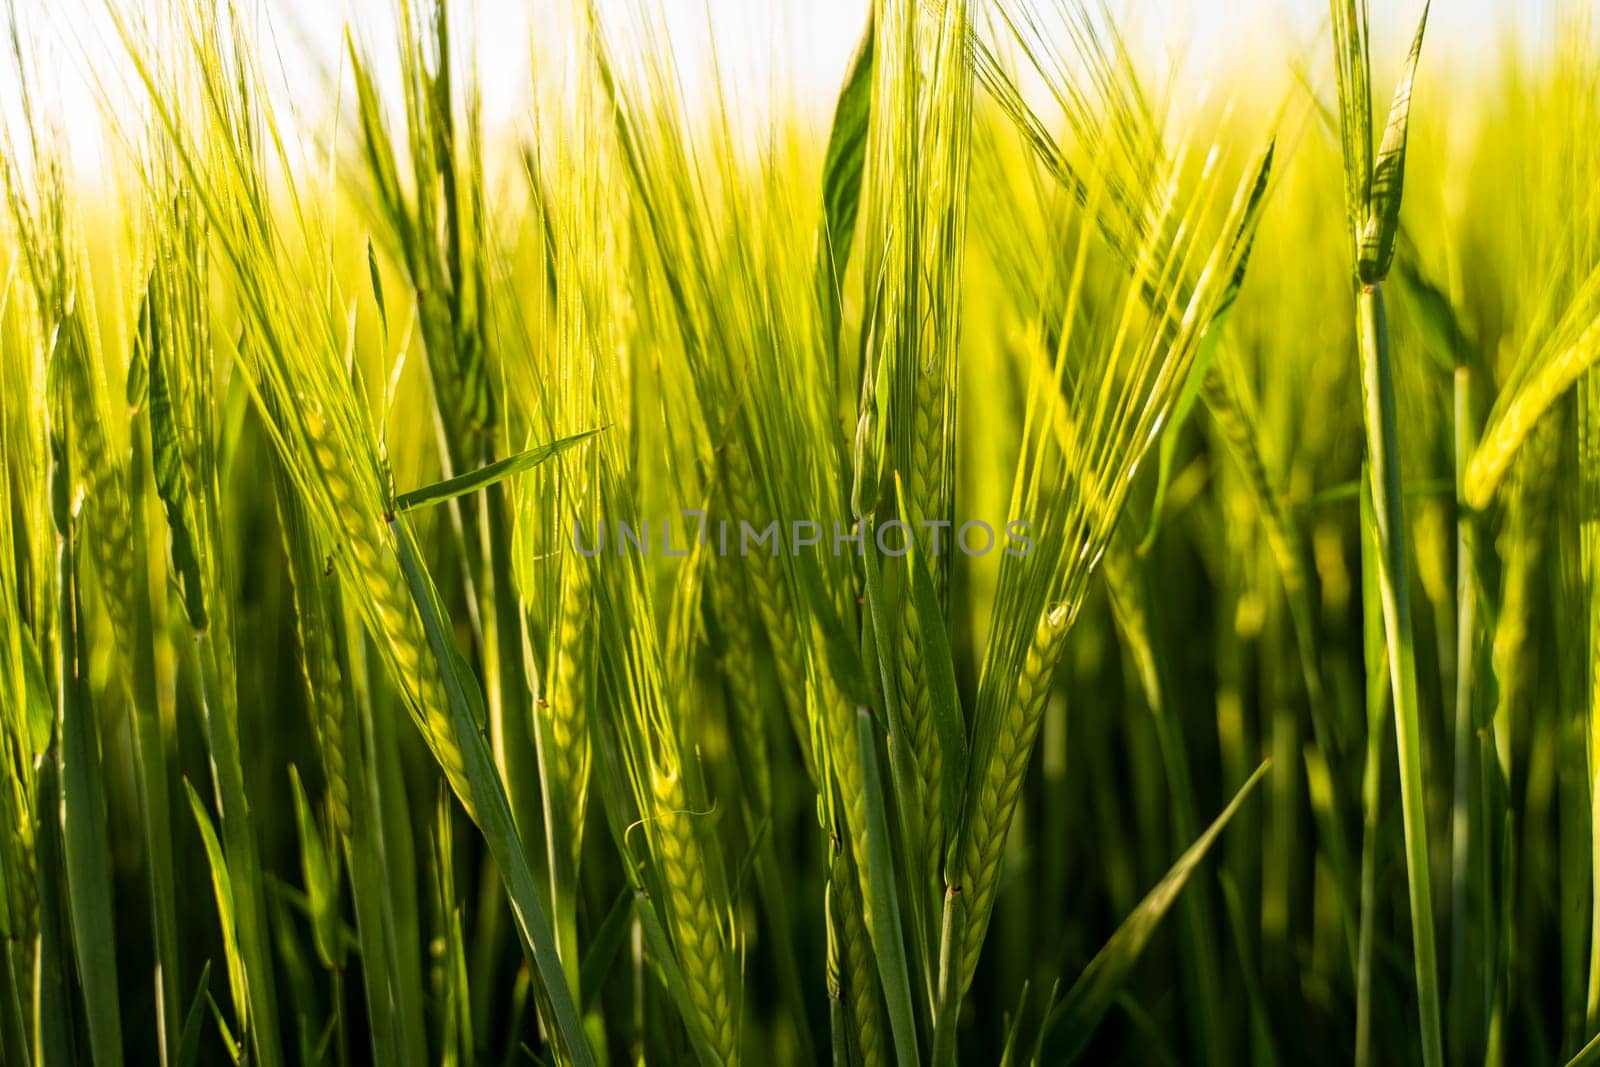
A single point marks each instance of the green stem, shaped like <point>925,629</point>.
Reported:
<point>1377,700</point>
<point>243,856</point>
<point>884,910</point>
<point>56,1038</point>
<point>1469,809</point>
<point>1377,381</point>
<point>953,933</point>
<point>150,767</point>
<point>374,911</point>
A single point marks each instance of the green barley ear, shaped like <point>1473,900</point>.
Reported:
<point>999,762</point>
<point>729,595</point>
<point>774,602</point>
<point>1542,374</point>
<point>1375,247</point>
<point>564,708</point>
<point>852,975</point>
<point>317,626</point>
<point>166,456</point>
<point>1095,407</point>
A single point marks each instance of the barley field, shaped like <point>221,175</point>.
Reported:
<point>1062,545</point>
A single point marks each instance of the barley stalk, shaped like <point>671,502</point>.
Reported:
<point>995,793</point>
<point>111,542</point>
<point>327,720</point>
<point>926,815</point>
<point>697,927</point>
<point>1382,452</point>
<point>319,658</point>
<point>839,713</point>
<point>374,575</point>
<point>737,661</point>
<point>564,709</point>
<point>772,599</point>
<point>851,971</point>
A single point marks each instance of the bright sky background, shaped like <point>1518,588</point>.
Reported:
<point>815,37</point>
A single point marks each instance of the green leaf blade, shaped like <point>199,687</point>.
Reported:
<point>1069,1027</point>
<point>487,475</point>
